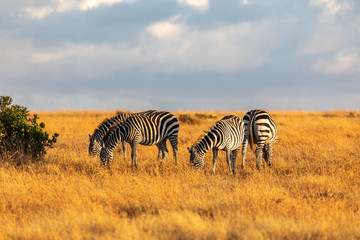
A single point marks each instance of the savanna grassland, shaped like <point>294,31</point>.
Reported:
<point>312,190</point>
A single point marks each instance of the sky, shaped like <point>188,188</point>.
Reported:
<point>181,54</point>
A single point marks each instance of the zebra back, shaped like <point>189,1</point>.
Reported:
<point>105,125</point>
<point>258,117</point>
<point>152,128</point>
<point>227,134</point>
<point>96,139</point>
<point>229,128</point>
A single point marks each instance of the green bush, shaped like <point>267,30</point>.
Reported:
<point>19,133</point>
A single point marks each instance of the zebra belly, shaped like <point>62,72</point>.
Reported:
<point>148,141</point>
<point>231,147</point>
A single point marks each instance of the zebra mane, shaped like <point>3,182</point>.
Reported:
<point>109,132</point>
<point>206,132</point>
<point>201,137</point>
<point>121,116</point>
<point>100,125</point>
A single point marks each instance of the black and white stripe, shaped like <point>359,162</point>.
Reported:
<point>260,130</point>
<point>150,129</point>
<point>227,135</point>
<point>97,137</point>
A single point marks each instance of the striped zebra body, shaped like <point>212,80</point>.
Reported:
<point>260,130</point>
<point>227,135</point>
<point>150,129</point>
<point>96,138</point>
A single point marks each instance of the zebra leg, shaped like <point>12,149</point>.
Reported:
<point>160,150</point>
<point>163,151</point>
<point>268,153</point>
<point>173,142</point>
<point>175,150</point>
<point>228,159</point>
<point>234,154</point>
<point>124,147</point>
<point>244,149</point>
<point>159,153</point>
<point>259,155</point>
<point>215,153</point>
<point>134,154</point>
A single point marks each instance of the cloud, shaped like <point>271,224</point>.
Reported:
<point>179,46</point>
<point>244,2</point>
<point>59,6</point>
<point>331,8</point>
<point>167,29</point>
<point>346,61</point>
<point>200,5</point>
<point>328,39</point>
<point>14,61</point>
<point>144,51</point>
<point>165,46</point>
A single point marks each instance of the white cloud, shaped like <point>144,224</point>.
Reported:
<point>345,61</point>
<point>221,49</point>
<point>197,4</point>
<point>328,39</point>
<point>14,57</point>
<point>38,13</point>
<point>167,29</point>
<point>331,6</point>
<point>59,6</point>
<point>330,9</point>
<point>227,48</point>
<point>244,2</point>
<point>90,4</point>
<point>166,46</point>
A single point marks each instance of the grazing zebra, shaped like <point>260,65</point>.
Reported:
<point>99,133</point>
<point>227,135</point>
<point>153,128</point>
<point>260,129</point>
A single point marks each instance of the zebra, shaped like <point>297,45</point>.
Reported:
<point>227,134</point>
<point>153,128</point>
<point>99,133</point>
<point>260,129</point>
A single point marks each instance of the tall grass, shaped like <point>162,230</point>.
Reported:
<point>312,190</point>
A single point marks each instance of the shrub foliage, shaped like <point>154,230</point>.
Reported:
<point>19,133</point>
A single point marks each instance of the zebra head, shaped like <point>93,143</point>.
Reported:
<point>94,147</point>
<point>196,158</point>
<point>106,156</point>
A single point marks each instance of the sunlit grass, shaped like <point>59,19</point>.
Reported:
<point>311,191</point>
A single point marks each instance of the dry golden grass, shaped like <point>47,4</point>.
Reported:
<point>311,192</point>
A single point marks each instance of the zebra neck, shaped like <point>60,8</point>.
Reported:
<point>115,138</point>
<point>206,143</point>
<point>101,131</point>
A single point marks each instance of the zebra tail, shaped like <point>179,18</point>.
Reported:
<point>251,132</point>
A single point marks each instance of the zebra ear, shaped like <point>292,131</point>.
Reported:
<point>189,150</point>
<point>90,137</point>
